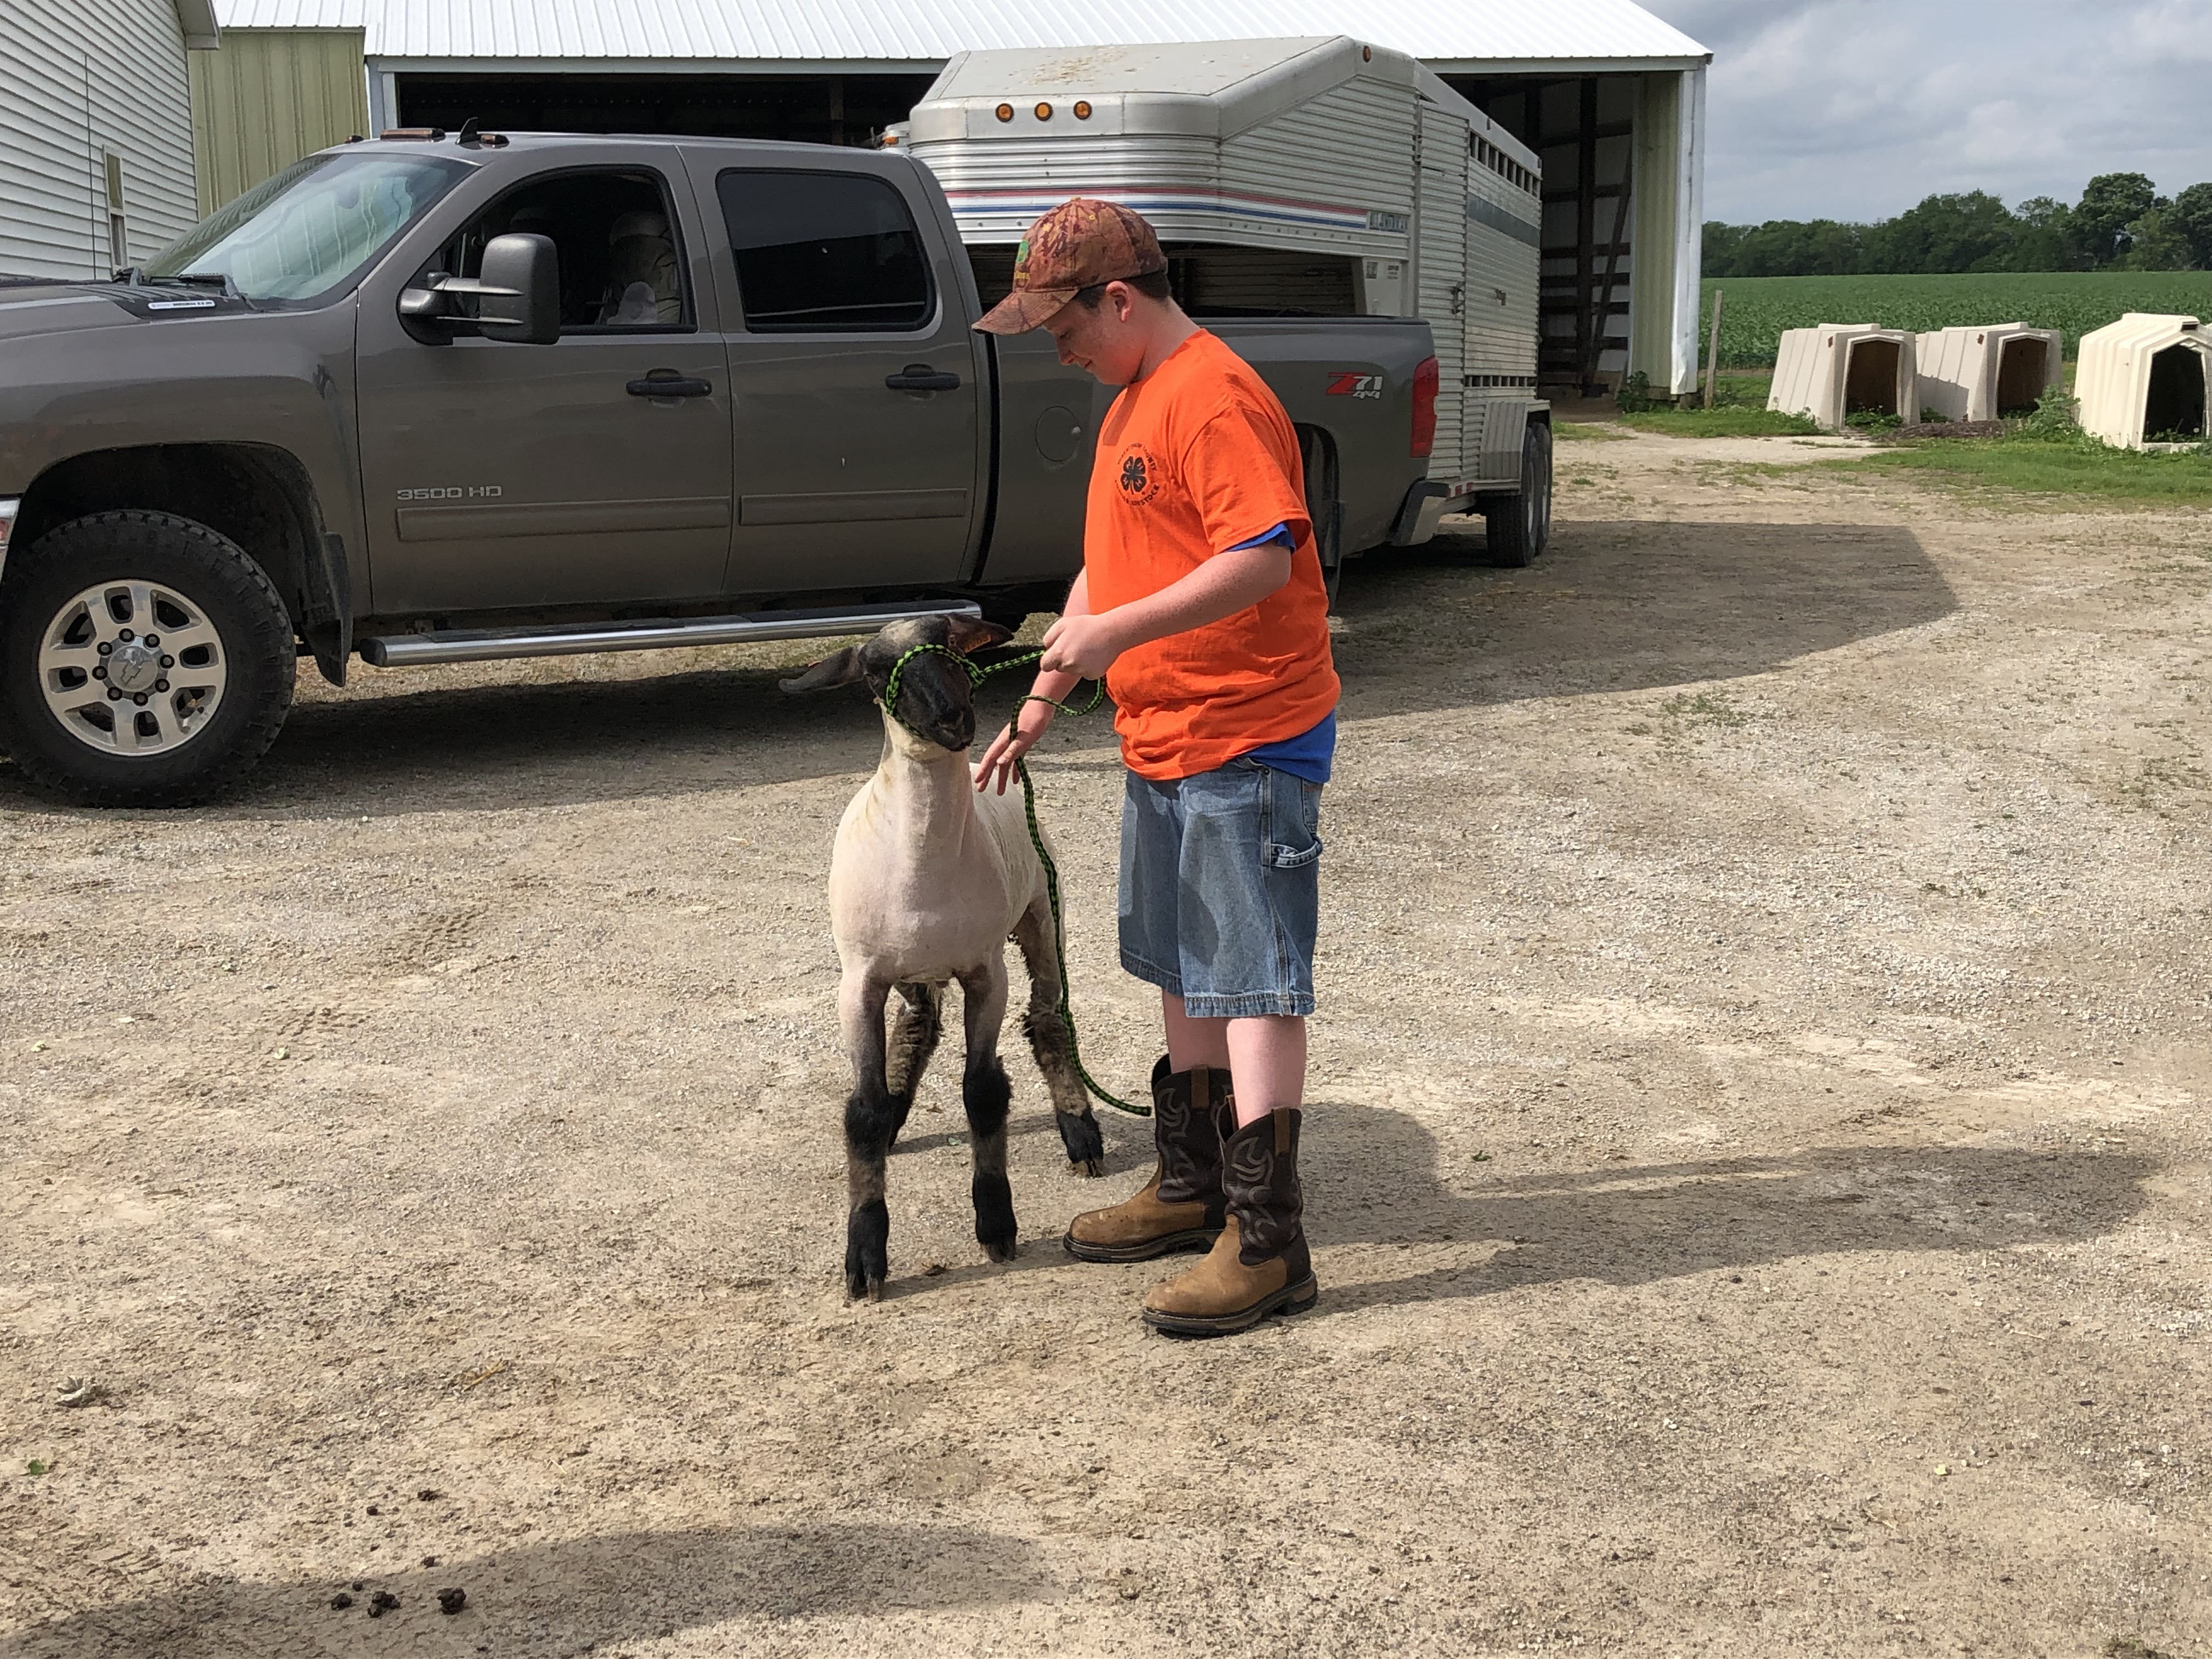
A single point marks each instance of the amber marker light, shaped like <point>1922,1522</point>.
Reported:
<point>1082,110</point>
<point>1005,112</point>
<point>1044,112</point>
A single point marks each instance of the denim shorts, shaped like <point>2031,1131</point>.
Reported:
<point>1221,889</point>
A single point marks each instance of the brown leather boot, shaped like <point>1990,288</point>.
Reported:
<point>1259,1266</point>
<point>1181,1206</point>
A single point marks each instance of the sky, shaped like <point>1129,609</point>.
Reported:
<point>1857,109</point>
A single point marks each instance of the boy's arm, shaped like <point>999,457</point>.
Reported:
<point>1082,645</point>
<point>1031,719</point>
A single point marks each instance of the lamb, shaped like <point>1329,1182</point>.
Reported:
<point>927,881</point>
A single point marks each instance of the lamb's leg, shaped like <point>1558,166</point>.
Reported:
<point>871,1121</point>
<point>986,1093</point>
<point>914,1039</point>
<point>1049,1041</point>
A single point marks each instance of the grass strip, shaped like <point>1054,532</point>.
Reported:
<point>1729,420</point>
<point>2080,470</point>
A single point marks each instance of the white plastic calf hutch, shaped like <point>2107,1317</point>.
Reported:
<point>2142,381</point>
<point>1307,176</point>
<point>1840,369</point>
<point>1987,373</point>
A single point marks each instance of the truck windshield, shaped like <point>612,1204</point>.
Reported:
<point>308,233</point>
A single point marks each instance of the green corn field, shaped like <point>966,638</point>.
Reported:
<point>1759,308</point>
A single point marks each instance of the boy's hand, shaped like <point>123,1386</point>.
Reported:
<point>1013,743</point>
<point>1083,646</point>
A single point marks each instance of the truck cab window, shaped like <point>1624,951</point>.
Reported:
<point>825,252</point>
<point>621,269</point>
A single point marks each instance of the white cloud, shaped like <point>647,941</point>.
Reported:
<point>1856,109</point>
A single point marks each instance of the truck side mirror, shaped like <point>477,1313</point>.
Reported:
<point>520,286</point>
<point>518,295</point>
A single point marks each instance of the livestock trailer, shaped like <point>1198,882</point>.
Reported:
<point>1836,370</point>
<point>1986,373</point>
<point>1303,176</point>
<point>2142,381</point>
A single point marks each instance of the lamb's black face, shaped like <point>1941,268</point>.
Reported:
<point>935,696</point>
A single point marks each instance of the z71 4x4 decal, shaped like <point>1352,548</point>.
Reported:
<point>1350,383</point>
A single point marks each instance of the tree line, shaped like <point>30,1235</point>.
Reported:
<point>2121,223</point>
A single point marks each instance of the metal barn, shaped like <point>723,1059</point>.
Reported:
<point>1609,96</point>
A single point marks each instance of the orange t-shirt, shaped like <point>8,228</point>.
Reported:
<point>1193,459</point>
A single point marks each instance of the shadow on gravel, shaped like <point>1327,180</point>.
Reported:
<point>1620,606</point>
<point>1612,606</point>
<point>1371,1178</point>
<point>564,1597</point>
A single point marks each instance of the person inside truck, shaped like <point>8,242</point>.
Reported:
<point>1201,603</point>
<point>643,286</point>
<point>610,232</point>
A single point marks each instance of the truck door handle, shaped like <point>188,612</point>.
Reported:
<point>662,383</point>
<point>920,377</point>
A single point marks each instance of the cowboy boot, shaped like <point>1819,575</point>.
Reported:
<point>1259,1265</point>
<point>1181,1206</point>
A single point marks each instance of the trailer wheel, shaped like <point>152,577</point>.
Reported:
<point>145,661</point>
<point>1519,527</point>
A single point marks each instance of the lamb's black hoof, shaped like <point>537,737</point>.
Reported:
<point>1085,1140</point>
<point>995,1216</point>
<point>868,1252</point>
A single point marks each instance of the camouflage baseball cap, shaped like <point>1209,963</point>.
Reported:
<point>1080,244</point>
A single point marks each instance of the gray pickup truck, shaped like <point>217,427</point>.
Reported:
<point>435,398</point>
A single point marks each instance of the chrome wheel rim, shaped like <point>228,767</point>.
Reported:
<point>132,668</point>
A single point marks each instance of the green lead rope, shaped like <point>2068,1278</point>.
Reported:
<point>977,675</point>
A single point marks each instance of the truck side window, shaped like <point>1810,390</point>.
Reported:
<point>825,252</point>
<point>620,267</point>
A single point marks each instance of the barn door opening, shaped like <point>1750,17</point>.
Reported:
<point>1870,380</point>
<point>2173,412</point>
<point>2023,370</point>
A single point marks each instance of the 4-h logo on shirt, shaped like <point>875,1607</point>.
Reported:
<point>1140,475</point>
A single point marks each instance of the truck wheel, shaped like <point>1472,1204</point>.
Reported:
<point>1519,525</point>
<point>144,661</point>
<point>1317,459</point>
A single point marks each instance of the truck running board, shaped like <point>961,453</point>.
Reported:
<point>571,639</point>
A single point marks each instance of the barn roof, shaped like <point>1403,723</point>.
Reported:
<point>665,34</point>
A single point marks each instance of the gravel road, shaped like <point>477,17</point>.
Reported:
<point>1757,1174</point>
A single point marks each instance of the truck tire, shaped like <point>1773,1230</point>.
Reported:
<point>1519,527</point>
<point>145,661</point>
<point>1324,511</point>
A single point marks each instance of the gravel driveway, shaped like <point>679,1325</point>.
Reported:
<point>1758,1177</point>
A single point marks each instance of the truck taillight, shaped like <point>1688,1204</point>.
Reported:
<point>1426,379</point>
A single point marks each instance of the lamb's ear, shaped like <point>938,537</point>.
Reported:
<point>972,633</point>
<point>839,668</point>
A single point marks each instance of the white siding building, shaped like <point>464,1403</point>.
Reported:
<point>96,151</point>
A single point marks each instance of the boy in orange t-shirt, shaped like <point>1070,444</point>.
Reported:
<point>1201,602</point>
